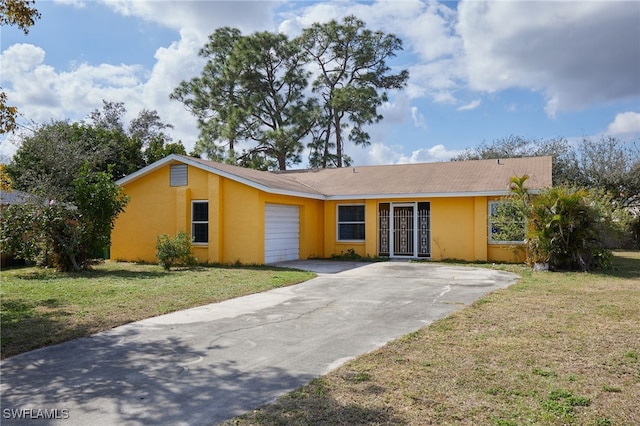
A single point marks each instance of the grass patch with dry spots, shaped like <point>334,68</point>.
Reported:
<point>553,349</point>
<point>40,307</point>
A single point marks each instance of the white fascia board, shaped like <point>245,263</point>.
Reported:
<point>251,183</point>
<point>292,193</point>
<point>185,160</point>
<point>422,195</point>
<point>148,169</point>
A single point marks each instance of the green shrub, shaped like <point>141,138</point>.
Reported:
<point>174,251</point>
<point>566,229</point>
<point>64,234</point>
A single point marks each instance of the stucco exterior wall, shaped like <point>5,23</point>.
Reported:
<point>452,227</point>
<point>236,218</point>
<point>459,225</point>
<point>151,212</point>
<point>459,230</point>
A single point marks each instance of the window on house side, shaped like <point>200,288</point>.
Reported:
<point>200,222</point>
<point>351,223</point>
<point>507,225</point>
<point>178,175</point>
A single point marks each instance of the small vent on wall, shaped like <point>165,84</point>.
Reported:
<point>178,175</point>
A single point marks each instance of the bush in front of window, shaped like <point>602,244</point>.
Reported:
<point>566,229</point>
<point>174,251</point>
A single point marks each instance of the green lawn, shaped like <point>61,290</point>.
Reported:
<point>40,307</point>
<point>553,349</point>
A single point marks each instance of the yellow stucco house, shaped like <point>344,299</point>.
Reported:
<point>430,210</point>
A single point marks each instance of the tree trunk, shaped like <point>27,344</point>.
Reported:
<point>327,139</point>
<point>338,141</point>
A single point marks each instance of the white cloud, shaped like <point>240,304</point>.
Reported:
<point>470,106</point>
<point>429,155</point>
<point>396,110</point>
<point>551,108</point>
<point>50,94</point>
<point>426,28</point>
<point>380,153</point>
<point>625,123</point>
<point>78,4</point>
<point>22,57</point>
<point>418,119</point>
<point>201,17</point>
<point>8,148</point>
<point>576,53</point>
<point>44,93</point>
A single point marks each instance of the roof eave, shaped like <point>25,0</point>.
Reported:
<point>423,195</point>
<point>311,195</point>
<point>186,160</point>
<point>148,169</point>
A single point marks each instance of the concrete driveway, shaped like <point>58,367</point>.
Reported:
<point>208,364</point>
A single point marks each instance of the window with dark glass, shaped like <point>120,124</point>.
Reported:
<point>200,222</point>
<point>351,223</point>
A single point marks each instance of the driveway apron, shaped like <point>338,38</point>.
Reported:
<point>210,363</point>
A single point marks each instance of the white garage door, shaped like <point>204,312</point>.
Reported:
<point>281,233</point>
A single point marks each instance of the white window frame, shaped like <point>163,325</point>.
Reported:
<point>199,222</point>
<point>490,226</point>
<point>338,223</point>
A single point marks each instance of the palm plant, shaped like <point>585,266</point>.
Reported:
<point>565,230</point>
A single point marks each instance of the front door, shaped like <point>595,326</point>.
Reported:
<point>404,230</point>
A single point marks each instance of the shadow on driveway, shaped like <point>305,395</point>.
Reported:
<point>213,362</point>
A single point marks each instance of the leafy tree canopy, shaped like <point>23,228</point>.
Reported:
<point>612,165</point>
<point>607,163</point>
<point>251,91</point>
<point>144,138</point>
<point>49,160</point>
<point>71,167</point>
<point>6,184</point>
<point>565,161</point>
<point>22,14</point>
<point>256,90</point>
<point>352,77</point>
<point>65,235</point>
<point>18,12</point>
<point>8,115</point>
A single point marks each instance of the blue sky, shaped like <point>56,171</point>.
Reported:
<point>479,70</point>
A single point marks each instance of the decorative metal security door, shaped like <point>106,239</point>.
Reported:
<point>404,229</point>
<point>424,230</point>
